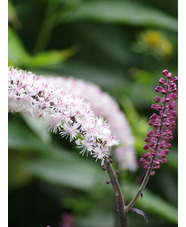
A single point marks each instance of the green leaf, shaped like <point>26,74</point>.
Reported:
<point>139,124</point>
<point>122,12</point>
<point>93,73</point>
<point>16,51</point>
<point>20,137</point>
<point>97,217</point>
<point>51,57</point>
<point>114,47</point>
<point>49,162</point>
<point>39,127</point>
<point>12,16</point>
<point>18,56</point>
<point>80,174</point>
<point>17,176</point>
<point>172,159</point>
<point>154,204</point>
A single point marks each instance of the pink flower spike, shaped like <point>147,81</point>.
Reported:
<point>158,144</point>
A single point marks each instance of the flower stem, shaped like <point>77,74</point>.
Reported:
<point>142,186</point>
<point>118,194</point>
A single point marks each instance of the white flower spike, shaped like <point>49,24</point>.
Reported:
<point>104,105</point>
<point>62,112</point>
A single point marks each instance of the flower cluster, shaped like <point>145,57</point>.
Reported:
<point>158,142</point>
<point>104,105</point>
<point>63,112</point>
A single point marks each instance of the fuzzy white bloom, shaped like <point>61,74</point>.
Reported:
<point>104,105</point>
<point>62,112</point>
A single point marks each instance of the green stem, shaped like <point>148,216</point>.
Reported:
<point>55,13</point>
<point>118,195</point>
<point>48,24</point>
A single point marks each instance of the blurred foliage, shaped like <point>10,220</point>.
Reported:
<point>154,43</point>
<point>122,46</point>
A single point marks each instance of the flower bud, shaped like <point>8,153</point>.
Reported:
<point>158,88</point>
<point>175,79</point>
<point>157,99</point>
<point>165,72</point>
<point>146,147</point>
<point>169,75</point>
<point>162,81</point>
<point>163,161</point>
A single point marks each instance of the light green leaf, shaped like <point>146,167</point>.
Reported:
<point>97,217</point>
<point>12,16</point>
<point>122,12</point>
<point>18,56</point>
<point>80,174</point>
<point>22,139</point>
<point>39,127</point>
<point>16,51</point>
<point>51,57</point>
<point>20,136</point>
<point>138,123</point>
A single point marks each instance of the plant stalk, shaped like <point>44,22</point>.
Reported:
<point>141,188</point>
<point>48,25</point>
<point>118,195</point>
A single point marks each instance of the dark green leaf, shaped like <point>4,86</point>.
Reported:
<point>122,12</point>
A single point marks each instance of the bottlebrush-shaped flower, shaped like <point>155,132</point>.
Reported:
<point>62,112</point>
<point>104,105</point>
<point>158,142</point>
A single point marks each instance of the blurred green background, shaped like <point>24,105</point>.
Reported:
<point>122,46</point>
